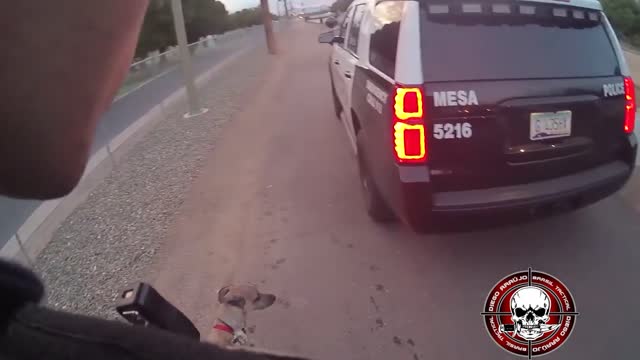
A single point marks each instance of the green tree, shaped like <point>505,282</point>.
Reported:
<point>340,6</point>
<point>246,18</point>
<point>202,18</point>
<point>625,18</point>
<point>157,30</point>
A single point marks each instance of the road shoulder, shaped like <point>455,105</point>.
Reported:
<point>110,239</point>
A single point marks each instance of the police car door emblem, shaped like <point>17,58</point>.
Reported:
<point>375,96</point>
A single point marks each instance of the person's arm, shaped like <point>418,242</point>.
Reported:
<point>61,64</point>
<point>38,333</point>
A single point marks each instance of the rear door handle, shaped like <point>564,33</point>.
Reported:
<point>347,75</point>
<point>337,62</point>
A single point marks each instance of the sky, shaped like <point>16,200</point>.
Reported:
<point>235,5</point>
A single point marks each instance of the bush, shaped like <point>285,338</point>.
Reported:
<point>340,6</point>
<point>201,18</point>
<point>625,18</point>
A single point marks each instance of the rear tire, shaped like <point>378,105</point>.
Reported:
<point>377,208</point>
<point>424,226</point>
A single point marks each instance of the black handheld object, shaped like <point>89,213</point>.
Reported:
<point>507,327</point>
<point>142,305</point>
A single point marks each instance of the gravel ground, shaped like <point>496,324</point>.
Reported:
<point>110,240</point>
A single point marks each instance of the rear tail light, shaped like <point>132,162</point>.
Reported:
<point>629,105</point>
<point>409,138</point>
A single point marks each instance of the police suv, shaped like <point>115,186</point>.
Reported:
<point>464,106</point>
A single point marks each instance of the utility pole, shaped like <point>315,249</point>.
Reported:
<point>286,9</point>
<point>185,60</point>
<point>268,26</point>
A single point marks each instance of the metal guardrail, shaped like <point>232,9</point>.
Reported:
<point>158,63</point>
<point>17,217</point>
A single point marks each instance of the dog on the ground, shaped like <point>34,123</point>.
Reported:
<point>235,302</point>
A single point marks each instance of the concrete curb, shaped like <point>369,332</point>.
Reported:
<point>10,249</point>
<point>139,86</point>
<point>37,230</point>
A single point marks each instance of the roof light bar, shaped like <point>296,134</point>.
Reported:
<point>578,14</point>
<point>501,8</point>
<point>438,9</point>
<point>527,10</point>
<point>472,8</point>
<point>560,12</point>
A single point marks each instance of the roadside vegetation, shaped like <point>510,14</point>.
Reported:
<point>340,5</point>
<point>625,18</point>
<point>202,18</point>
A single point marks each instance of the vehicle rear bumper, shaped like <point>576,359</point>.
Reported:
<point>577,190</point>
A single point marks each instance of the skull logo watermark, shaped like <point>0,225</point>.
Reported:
<point>529,313</point>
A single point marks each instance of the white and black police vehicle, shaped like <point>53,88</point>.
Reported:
<point>476,106</point>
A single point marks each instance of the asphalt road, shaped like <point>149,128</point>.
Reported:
<point>278,204</point>
<point>126,110</point>
<point>131,107</point>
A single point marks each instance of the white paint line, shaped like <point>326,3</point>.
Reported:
<point>175,97</point>
<point>155,112</point>
<point>95,160</point>
<point>139,86</point>
<point>119,139</point>
<point>174,67</point>
<point>206,77</point>
<point>10,249</point>
<point>203,78</point>
<point>40,214</point>
<point>36,218</point>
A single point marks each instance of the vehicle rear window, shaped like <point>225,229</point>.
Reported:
<point>507,42</point>
<point>384,36</point>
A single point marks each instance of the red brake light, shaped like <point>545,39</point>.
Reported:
<point>408,125</point>
<point>630,105</point>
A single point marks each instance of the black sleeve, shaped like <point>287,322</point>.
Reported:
<point>37,333</point>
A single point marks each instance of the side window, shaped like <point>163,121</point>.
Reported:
<point>354,33</point>
<point>345,24</point>
<point>384,36</point>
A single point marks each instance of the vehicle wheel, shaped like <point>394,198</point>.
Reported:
<point>375,205</point>
<point>336,102</point>
<point>420,219</point>
<point>423,226</point>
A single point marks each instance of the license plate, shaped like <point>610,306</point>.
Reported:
<point>550,125</point>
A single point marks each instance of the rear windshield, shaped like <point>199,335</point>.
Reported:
<point>510,42</point>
